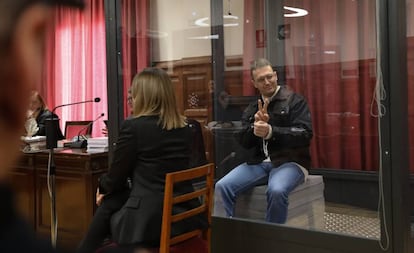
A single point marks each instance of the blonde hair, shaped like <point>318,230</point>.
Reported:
<point>39,98</point>
<point>153,94</point>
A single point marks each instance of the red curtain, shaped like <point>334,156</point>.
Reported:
<point>331,60</point>
<point>254,40</point>
<point>76,64</point>
<point>135,41</point>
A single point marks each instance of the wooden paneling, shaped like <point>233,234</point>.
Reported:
<point>23,181</point>
<point>195,90</point>
<point>233,82</point>
<point>178,88</point>
<point>193,84</point>
<point>76,181</point>
<point>191,78</point>
<point>69,187</point>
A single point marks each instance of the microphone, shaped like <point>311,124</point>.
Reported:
<point>52,124</point>
<point>96,100</point>
<point>81,143</point>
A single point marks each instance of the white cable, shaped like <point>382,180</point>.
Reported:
<point>381,201</point>
<point>48,176</point>
<point>378,96</point>
<point>49,190</point>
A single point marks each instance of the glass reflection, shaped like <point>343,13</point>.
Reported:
<point>327,54</point>
<point>331,61</point>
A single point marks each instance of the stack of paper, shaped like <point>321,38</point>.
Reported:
<point>97,144</point>
<point>34,144</point>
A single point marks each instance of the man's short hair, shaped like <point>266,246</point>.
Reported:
<point>259,63</point>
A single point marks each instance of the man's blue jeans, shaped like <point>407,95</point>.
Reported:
<point>280,182</point>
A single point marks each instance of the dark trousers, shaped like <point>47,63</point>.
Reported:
<point>99,229</point>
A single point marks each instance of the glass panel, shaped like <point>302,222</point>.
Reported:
<point>175,36</point>
<point>410,79</point>
<point>243,26</point>
<point>325,51</point>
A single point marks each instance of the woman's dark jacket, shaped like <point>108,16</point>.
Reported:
<point>291,123</point>
<point>41,123</point>
<point>146,153</point>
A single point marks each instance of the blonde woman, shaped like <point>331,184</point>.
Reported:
<point>153,142</point>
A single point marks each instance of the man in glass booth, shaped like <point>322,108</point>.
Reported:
<point>277,131</point>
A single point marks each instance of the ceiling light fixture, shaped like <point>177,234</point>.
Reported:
<point>204,21</point>
<point>297,12</point>
<point>231,20</point>
<point>207,37</point>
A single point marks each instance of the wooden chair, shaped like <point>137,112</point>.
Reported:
<point>193,239</point>
<point>75,128</point>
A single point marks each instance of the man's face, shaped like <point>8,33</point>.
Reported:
<point>265,80</point>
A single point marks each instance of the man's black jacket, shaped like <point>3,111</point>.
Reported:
<point>291,123</point>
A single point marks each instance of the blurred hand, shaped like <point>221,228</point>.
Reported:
<point>105,131</point>
<point>99,197</point>
<point>261,129</point>
<point>31,127</point>
<point>29,114</point>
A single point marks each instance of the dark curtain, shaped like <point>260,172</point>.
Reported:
<point>254,38</point>
<point>331,60</point>
<point>135,41</point>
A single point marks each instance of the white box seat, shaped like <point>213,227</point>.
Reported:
<point>306,204</point>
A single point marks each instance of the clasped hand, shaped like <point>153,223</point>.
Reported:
<point>99,197</point>
<point>261,119</point>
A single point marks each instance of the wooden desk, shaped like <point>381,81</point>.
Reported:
<point>77,175</point>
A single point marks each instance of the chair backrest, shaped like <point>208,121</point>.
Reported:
<point>75,128</point>
<point>198,151</point>
<point>204,193</point>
